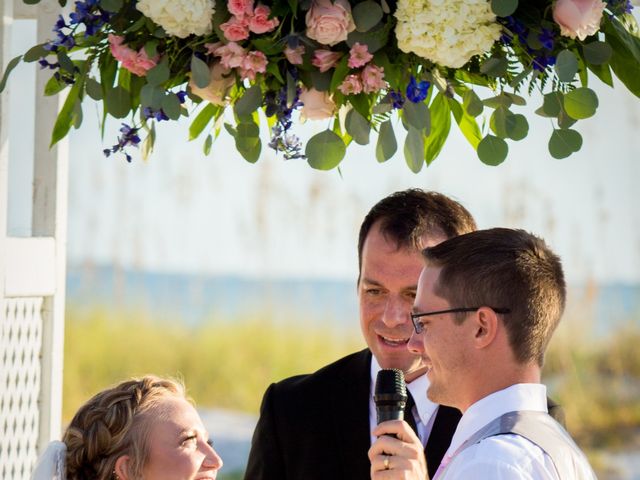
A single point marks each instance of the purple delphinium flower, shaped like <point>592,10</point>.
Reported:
<point>129,137</point>
<point>547,38</point>
<point>396,98</point>
<point>417,92</point>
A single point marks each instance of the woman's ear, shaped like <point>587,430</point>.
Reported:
<point>121,469</point>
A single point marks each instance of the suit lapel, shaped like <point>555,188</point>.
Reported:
<point>351,406</point>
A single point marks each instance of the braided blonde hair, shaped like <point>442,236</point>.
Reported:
<point>112,424</point>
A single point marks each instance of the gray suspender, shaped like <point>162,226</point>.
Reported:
<point>541,429</point>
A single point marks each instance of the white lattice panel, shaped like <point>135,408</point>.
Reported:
<point>20,347</point>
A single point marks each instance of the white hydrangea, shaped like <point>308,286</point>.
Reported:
<point>447,32</point>
<point>180,18</point>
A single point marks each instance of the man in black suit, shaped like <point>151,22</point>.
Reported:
<point>301,432</point>
<point>298,435</point>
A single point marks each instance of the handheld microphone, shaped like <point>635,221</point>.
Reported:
<point>390,395</point>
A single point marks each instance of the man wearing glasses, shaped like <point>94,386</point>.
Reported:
<point>319,426</point>
<point>486,306</point>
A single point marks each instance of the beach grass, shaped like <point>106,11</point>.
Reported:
<point>224,364</point>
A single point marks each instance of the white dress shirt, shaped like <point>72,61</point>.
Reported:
<point>423,413</point>
<point>500,457</point>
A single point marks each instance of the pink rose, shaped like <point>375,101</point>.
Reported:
<point>254,62</point>
<point>329,22</point>
<point>236,29</point>
<point>373,79</point>
<point>294,55</point>
<point>352,85</point>
<point>231,55</point>
<point>316,105</point>
<point>359,55</point>
<point>216,92</point>
<point>259,22</point>
<point>138,63</point>
<point>239,8</point>
<point>578,18</point>
<point>325,59</point>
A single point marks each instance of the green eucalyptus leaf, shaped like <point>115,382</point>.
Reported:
<point>552,104</point>
<point>504,8</point>
<point>151,96</point>
<point>492,150</point>
<point>566,66</point>
<point>151,47</point>
<point>65,118</point>
<point>603,72</point>
<point>54,86</point>
<point>249,103</point>
<point>416,115</point>
<point>467,123</point>
<point>159,74</point>
<point>387,144</point>
<point>565,121</point>
<point>597,53</point>
<point>375,38</point>
<point>515,99</point>
<point>93,88</point>
<point>519,127</point>
<point>31,2</point>
<point>148,143</point>
<point>77,114</point>
<point>200,72</point>
<point>495,67</point>
<point>35,53</point>
<point>498,101</point>
<point>231,129</point>
<point>321,81</point>
<point>171,106</point>
<point>581,103</point>
<point>118,102</point>
<point>367,15</point>
<point>66,63</point>
<point>202,120</point>
<point>472,103</point>
<point>325,150</point>
<point>414,149</point>
<point>248,141</point>
<point>340,72</point>
<point>440,127</point>
<point>358,127</point>
<point>208,142</point>
<point>501,122</point>
<point>564,142</point>
<point>111,5</point>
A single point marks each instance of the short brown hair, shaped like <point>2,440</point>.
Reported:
<point>407,215</point>
<point>111,424</point>
<point>505,268</point>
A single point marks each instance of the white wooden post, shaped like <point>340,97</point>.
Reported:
<point>32,273</point>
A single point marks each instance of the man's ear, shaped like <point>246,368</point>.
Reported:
<point>486,326</point>
<point>121,468</point>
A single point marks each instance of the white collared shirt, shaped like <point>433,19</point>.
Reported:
<point>423,413</point>
<point>500,457</point>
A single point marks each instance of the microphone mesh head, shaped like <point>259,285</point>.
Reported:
<point>390,381</point>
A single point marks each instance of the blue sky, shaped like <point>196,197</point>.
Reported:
<point>182,211</point>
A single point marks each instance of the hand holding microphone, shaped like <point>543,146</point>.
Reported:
<point>398,452</point>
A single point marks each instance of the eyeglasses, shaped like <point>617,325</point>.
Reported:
<point>419,326</point>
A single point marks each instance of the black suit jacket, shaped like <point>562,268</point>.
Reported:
<point>301,432</point>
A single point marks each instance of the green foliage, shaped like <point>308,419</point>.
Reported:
<point>325,150</point>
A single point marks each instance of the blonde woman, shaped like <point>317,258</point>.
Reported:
<point>140,429</point>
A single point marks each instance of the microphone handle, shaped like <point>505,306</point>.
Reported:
<point>389,412</point>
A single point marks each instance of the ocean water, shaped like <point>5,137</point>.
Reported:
<point>198,298</point>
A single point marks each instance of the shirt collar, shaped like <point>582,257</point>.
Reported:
<point>522,396</point>
<point>418,389</point>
